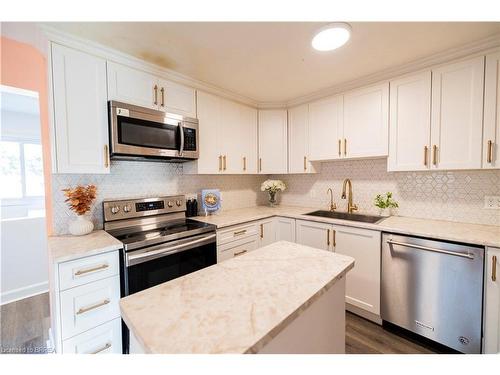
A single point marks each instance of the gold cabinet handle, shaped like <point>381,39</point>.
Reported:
<point>162,91</point>
<point>305,163</point>
<point>328,237</point>
<point>434,155</point>
<point>334,237</point>
<point>240,253</point>
<point>426,150</point>
<point>107,346</point>
<point>156,95</point>
<point>494,268</point>
<point>260,164</point>
<point>240,232</point>
<point>340,148</point>
<point>89,308</point>
<point>224,162</point>
<point>106,156</point>
<point>261,230</point>
<point>220,163</point>
<point>244,163</point>
<point>89,270</point>
<point>345,146</point>
<point>489,157</point>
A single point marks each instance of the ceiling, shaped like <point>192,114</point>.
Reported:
<point>274,61</point>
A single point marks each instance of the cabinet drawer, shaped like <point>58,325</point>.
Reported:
<point>237,232</point>
<point>105,339</point>
<point>89,305</point>
<point>237,248</point>
<point>85,270</point>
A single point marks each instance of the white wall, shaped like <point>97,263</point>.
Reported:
<point>23,258</point>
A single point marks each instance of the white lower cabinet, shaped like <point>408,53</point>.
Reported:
<point>492,302</point>
<point>236,248</point>
<point>285,229</point>
<point>84,297</point>
<point>267,232</point>
<point>313,234</point>
<point>103,339</point>
<point>363,281</point>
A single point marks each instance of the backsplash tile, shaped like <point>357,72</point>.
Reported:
<point>448,195</point>
<point>130,179</point>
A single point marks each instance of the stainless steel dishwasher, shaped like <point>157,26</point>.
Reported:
<point>434,289</point>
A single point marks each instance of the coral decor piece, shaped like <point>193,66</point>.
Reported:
<point>80,199</point>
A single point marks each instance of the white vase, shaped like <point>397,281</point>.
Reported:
<point>81,226</point>
<point>384,212</point>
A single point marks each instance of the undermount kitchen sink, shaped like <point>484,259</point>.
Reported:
<point>347,216</point>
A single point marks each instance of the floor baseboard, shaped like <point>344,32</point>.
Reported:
<point>25,292</point>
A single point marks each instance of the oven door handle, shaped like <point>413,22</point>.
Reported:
<point>181,149</point>
<point>133,259</point>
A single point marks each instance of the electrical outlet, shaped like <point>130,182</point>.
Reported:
<point>492,202</point>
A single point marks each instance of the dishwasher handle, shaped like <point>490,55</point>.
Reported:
<point>426,248</point>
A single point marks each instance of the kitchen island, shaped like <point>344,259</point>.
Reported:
<point>282,298</point>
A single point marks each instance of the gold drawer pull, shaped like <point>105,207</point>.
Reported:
<point>305,163</point>
<point>494,268</point>
<point>328,237</point>
<point>434,156</point>
<point>489,158</point>
<point>345,146</point>
<point>240,232</point>
<point>89,270</point>
<point>83,310</point>
<point>340,148</point>
<point>107,346</point>
<point>240,253</point>
<point>426,150</point>
<point>334,236</point>
<point>261,230</point>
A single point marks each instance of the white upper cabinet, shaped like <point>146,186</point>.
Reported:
<point>298,140</point>
<point>366,122</point>
<point>228,137</point>
<point>457,115</point>
<point>410,123</point>
<point>491,139</point>
<point>80,111</point>
<point>326,129</point>
<point>134,86</point>
<point>273,141</point>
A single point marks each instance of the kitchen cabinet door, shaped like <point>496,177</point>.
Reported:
<point>80,111</point>
<point>457,115</point>
<point>176,98</point>
<point>366,122</point>
<point>363,281</point>
<point>298,140</point>
<point>410,123</point>
<point>491,138</point>
<point>273,141</point>
<point>248,140</point>
<point>285,229</point>
<point>209,117</point>
<point>317,235</point>
<point>267,232</point>
<point>133,86</point>
<point>326,129</point>
<point>492,302</point>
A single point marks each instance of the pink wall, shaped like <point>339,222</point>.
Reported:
<point>23,66</point>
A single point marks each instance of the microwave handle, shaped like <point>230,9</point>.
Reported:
<point>181,128</point>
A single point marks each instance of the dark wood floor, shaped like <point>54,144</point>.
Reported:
<point>25,324</point>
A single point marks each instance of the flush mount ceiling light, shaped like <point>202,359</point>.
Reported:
<point>331,36</point>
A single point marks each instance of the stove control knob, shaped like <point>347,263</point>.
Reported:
<point>170,204</point>
<point>115,210</point>
<point>178,202</point>
<point>127,208</point>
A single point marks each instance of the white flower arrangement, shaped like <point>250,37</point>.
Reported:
<point>273,186</point>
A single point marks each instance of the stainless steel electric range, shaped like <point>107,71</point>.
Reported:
<point>159,242</point>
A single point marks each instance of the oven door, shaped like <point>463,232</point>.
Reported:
<point>148,267</point>
<point>147,133</point>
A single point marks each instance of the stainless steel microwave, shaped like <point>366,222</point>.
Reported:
<point>140,133</point>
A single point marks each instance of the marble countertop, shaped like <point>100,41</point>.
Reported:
<point>236,306</point>
<point>486,235</point>
<point>67,247</point>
